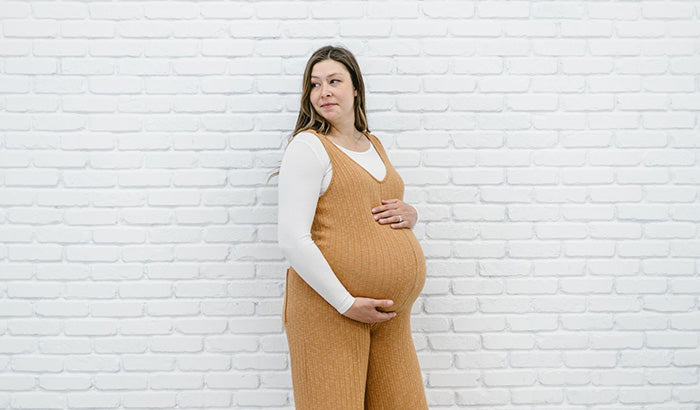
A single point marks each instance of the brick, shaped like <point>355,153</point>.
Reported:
<point>38,401</point>
<point>93,400</point>
<point>487,397</point>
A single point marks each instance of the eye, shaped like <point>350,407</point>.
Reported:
<point>315,84</point>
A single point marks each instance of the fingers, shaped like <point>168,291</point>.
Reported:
<point>366,310</point>
<point>383,302</point>
<point>394,218</point>
<point>383,316</point>
<point>381,208</point>
<point>399,222</point>
<point>386,205</point>
<point>386,211</point>
<point>384,215</point>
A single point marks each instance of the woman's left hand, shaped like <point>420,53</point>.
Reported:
<point>396,212</point>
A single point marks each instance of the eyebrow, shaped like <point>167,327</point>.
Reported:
<point>331,74</point>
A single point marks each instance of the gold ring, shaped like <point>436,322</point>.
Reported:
<point>400,219</point>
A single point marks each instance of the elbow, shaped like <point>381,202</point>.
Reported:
<point>291,244</point>
<point>286,242</point>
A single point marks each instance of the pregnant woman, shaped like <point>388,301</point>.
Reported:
<point>356,266</point>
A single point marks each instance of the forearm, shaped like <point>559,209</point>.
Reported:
<point>308,261</point>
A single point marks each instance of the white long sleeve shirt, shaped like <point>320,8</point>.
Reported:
<point>304,175</point>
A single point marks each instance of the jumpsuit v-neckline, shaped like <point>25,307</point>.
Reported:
<point>384,162</point>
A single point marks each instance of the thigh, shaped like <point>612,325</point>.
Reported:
<point>328,351</point>
<point>394,378</point>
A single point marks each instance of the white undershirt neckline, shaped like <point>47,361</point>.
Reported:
<point>369,160</point>
<point>353,151</point>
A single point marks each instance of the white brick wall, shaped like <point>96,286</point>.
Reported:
<point>550,147</point>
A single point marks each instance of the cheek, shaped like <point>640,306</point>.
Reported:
<point>349,95</point>
<point>313,96</point>
<point>314,104</point>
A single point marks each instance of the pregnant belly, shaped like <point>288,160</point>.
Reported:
<point>386,265</point>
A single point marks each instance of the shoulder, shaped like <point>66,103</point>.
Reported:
<point>376,140</point>
<point>308,140</point>
<point>308,137</point>
<point>372,136</point>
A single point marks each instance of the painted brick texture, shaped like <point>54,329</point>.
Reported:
<point>551,149</point>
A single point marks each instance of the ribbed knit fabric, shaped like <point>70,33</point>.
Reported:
<point>339,363</point>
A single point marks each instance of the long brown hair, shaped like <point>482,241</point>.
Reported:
<point>308,117</point>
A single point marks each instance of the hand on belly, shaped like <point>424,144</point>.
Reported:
<point>365,310</point>
<point>395,212</point>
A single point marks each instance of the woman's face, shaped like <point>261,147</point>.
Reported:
<point>332,93</point>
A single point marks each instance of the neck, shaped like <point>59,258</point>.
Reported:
<point>347,132</point>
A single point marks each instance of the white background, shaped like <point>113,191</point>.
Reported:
<point>551,148</point>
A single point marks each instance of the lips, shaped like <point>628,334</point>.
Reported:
<point>327,105</point>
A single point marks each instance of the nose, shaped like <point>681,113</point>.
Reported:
<point>325,90</point>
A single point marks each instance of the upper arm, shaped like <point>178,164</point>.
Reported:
<point>300,178</point>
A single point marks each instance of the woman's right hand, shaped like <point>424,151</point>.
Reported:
<point>365,310</point>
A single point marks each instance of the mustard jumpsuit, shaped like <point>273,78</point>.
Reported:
<point>338,363</point>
